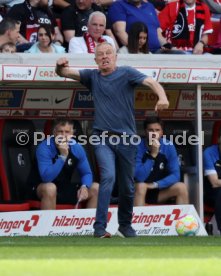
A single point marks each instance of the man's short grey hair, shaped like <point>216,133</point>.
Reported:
<point>97,13</point>
<point>104,43</point>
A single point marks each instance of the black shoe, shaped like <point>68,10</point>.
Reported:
<point>103,235</point>
<point>126,232</point>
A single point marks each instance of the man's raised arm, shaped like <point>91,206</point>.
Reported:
<point>63,70</point>
<point>156,87</point>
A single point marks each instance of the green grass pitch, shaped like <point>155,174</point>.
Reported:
<point>21,256</point>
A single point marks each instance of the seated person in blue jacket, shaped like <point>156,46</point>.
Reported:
<point>212,179</point>
<point>57,159</point>
<point>157,171</point>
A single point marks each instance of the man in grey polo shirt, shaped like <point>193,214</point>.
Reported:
<point>113,93</point>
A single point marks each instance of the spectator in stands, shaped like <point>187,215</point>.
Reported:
<point>74,19</point>
<point>57,159</point>
<point>186,24</point>
<point>113,92</point>
<point>8,47</point>
<point>89,40</point>
<point>9,31</point>
<point>157,171</point>
<point>45,40</point>
<point>212,179</point>
<point>123,13</point>
<point>137,40</point>
<point>32,13</point>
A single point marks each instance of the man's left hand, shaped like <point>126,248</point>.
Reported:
<point>82,193</point>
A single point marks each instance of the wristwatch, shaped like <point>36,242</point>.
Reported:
<point>204,44</point>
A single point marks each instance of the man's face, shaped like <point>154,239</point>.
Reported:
<point>96,27</point>
<point>13,35</point>
<point>63,133</point>
<point>105,57</point>
<point>190,3</point>
<point>83,4</point>
<point>154,131</point>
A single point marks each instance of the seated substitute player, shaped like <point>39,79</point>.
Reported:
<point>57,159</point>
<point>212,179</point>
<point>157,171</point>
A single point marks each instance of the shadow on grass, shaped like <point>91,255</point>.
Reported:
<point>86,248</point>
<point>114,241</point>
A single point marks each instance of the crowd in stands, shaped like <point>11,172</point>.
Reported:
<point>170,27</point>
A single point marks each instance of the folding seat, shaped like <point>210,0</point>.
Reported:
<point>180,132</point>
<point>16,154</point>
<point>7,206</point>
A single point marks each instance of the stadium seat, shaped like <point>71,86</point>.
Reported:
<point>13,207</point>
<point>36,205</point>
<point>179,133</point>
<point>15,162</point>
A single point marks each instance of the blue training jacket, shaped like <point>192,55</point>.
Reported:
<point>48,170</point>
<point>164,169</point>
